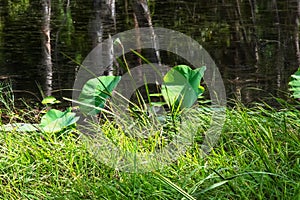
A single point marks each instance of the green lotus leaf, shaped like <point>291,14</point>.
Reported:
<point>181,86</point>
<point>95,93</point>
<point>295,84</point>
<point>55,120</point>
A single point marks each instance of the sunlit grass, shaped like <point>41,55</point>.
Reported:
<point>257,157</point>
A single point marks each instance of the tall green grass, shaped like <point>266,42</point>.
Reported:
<point>257,157</point>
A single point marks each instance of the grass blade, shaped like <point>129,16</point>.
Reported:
<point>174,186</point>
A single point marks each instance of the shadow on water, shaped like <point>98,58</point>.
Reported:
<point>255,44</point>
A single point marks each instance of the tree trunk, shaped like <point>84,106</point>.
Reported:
<point>297,24</point>
<point>142,18</point>
<point>104,22</point>
<point>46,46</point>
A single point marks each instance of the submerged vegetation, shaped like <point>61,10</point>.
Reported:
<point>257,157</point>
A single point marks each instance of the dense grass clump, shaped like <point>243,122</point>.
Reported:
<point>257,157</point>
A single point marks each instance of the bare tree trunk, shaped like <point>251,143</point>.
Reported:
<point>254,33</point>
<point>97,24</point>
<point>104,22</point>
<point>154,36</point>
<point>46,46</point>
<point>112,7</point>
<point>297,23</point>
<point>142,18</point>
<point>279,60</point>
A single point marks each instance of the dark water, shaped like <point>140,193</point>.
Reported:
<point>255,44</point>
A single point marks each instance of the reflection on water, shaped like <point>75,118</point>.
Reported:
<point>255,44</point>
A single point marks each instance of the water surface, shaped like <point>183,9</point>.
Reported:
<point>255,44</point>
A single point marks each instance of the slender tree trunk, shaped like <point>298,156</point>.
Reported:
<point>46,45</point>
<point>104,22</point>
<point>279,60</point>
<point>254,32</point>
<point>112,7</point>
<point>297,24</point>
<point>97,24</point>
<point>142,18</point>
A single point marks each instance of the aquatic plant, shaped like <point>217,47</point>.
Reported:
<point>180,89</point>
<point>95,92</point>
<point>181,86</point>
<point>53,121</point>
<point>295,84</point>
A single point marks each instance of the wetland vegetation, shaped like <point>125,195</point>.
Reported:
<point>44,154</point>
